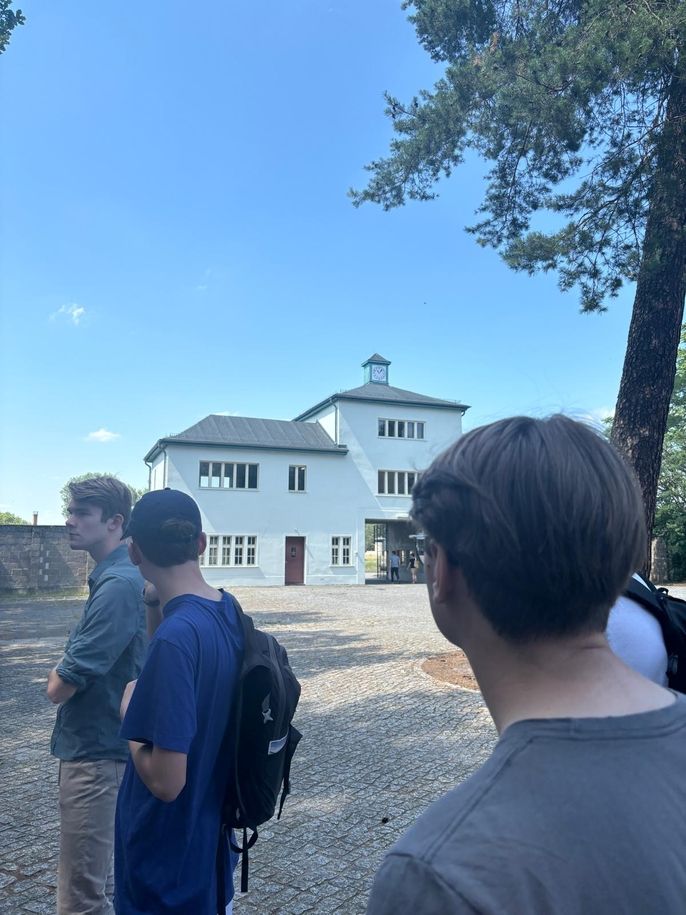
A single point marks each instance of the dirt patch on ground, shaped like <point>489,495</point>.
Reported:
<point>452,667</point>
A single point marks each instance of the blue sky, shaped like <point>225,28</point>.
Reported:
<point>176,239</point>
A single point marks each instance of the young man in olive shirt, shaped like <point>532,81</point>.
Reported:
<point>104,651</point>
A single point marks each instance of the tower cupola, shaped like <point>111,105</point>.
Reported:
<point>376,370</point>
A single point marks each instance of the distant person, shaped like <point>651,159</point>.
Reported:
<point>395,566</point>
<point>105,651</point>
<point>412,565</point>
<point>175,718</point>
<point>533,529</point>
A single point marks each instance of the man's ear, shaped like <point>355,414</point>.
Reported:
<point>135,554</point>
<point>115,521</point>
<point>442,576</point>
<point>202,543</point>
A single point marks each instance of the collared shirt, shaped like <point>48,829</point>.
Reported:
<point>104,652</point>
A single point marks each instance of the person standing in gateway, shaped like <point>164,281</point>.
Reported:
<point>395,566</point>
<point>105,651</point>
<point>413,566</point>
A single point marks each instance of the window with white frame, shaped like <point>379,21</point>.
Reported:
<point>340,551</point>
<point>227,475</point>
<point>296,478</point>
<point>401,428</point>
<point>228,550</point>
<point>396,482</point>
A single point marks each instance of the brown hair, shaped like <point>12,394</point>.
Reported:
<point>110,495</point>
<point>543,517</point>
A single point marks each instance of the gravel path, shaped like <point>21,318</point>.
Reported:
<point>381,740</point>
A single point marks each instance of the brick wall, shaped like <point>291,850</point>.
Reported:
<point>38,558</point>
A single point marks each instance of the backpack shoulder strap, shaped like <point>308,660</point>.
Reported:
<point>247,624</point>
<point>646,594</point>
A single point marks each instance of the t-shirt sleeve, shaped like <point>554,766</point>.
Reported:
<point>406,884</point>
<point>162,710</point>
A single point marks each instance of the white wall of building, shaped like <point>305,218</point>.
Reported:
<point>358,430</point>
<point>359,423</point>
<point>327,419</point>
<point>157,472</point>
<point>272,513</point>
<point>340,494</point>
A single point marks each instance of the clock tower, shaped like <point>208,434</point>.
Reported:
<point>376,370</point>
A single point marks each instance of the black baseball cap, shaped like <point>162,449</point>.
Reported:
<point>155,508</point>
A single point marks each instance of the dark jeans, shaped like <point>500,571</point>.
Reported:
<point>395,574</point>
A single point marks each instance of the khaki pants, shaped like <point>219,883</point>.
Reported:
<point>88,797</point>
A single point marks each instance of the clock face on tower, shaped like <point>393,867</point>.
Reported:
<point>378,373</point>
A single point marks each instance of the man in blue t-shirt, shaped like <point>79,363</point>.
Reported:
<point>175,718</point>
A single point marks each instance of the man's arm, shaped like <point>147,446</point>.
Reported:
<point>159,719</point>
<point>59,690</point>
<point>163,772</point>
<point>111,621</point>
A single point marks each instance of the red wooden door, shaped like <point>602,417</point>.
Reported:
<point>295,561</point>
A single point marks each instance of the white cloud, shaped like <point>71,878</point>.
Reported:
<point>102,435</point>
<point>203,285</point>
<point>72,313</point>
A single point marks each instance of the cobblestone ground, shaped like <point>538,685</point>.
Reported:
<point>381,740</point>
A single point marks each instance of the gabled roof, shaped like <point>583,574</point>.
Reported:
<point>384,393</point>
<point>247,432</point>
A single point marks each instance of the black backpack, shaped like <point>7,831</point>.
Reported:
<point>263,741</point>
<point>670,612</point>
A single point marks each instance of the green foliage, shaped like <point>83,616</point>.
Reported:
<point>64,491</point>
<point>9,20</point>
<point>670,517</point>
<point>9,518</point>
<point>568,102</point>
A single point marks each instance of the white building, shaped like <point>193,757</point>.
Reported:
<point>288,501</point>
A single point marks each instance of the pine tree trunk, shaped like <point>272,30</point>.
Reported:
<point>650,362</point>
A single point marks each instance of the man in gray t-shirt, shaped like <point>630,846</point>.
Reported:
<point>532,529</point>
